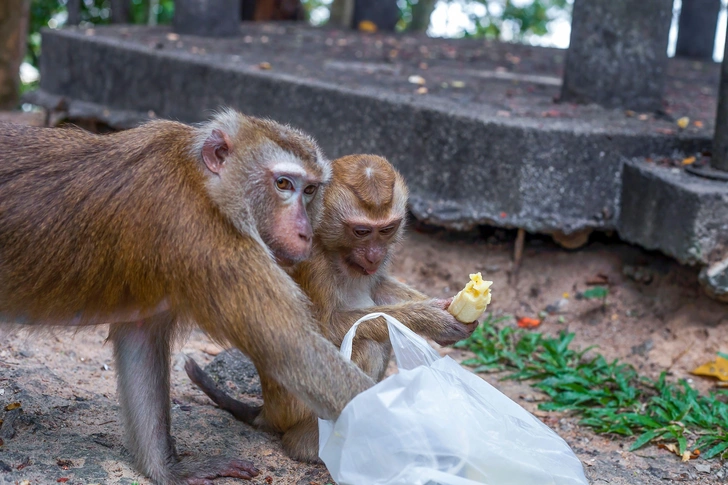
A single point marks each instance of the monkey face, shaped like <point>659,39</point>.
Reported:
<point>368,244</point>
<point>287,230</point>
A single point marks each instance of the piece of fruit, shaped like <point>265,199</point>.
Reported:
<point>472,300</point>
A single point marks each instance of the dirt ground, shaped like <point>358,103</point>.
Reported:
<point>69,427</point>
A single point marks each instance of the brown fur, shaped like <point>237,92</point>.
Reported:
<point>341,296</point>
<point>93,227</point>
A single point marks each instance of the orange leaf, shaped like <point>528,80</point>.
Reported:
<point>717,368</point>
<point>12,405</point>
<point>367,26</point>
<point>526,322</point>
<point>688,161</point>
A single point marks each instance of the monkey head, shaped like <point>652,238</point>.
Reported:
<point>261,171</point>
<point>363,213</point>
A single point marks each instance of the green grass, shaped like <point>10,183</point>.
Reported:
<point>610,397</point>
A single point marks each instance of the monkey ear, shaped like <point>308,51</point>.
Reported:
<point>215,150</point>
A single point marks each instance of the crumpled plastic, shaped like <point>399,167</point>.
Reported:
<point>437,423</point>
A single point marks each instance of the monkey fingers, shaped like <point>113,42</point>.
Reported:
<point>204,471</point>
<point>455,332</point>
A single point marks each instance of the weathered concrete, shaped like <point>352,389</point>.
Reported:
<point>210,18</point>
<point>464,165</point>
<point>618,53</point>
<point>696,29</point>
<point>677,213</point>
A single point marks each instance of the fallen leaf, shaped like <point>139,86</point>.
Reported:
<point>458,84</point>
<point>565,295</point>
<point>503,215</point>
<point>686,456</point>
<point>62,480</point>
<point>698,124</point>
<point>265,66</point>
<point>717,368</point>
<point>688,161</point>
<point>416,80</point>
<point>643,117</point>
<point>367,26</point>
<point>421,90</point>
<point>12,405</point>
<point>630,113</point>
<point>683,122</point>
<point>527,322</point>
<point>173,37</point>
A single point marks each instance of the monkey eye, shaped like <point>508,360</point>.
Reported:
<point>284,184</point>
<point>387,230</point>
<point>362,231</point>
<point>310,190</point>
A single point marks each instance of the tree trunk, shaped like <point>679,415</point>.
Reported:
<point>74,12</point>
<point>14,16</point>
<point>421,13</point>
<point>719,160</point>
<point>278,10</point>
<point>342,13</point>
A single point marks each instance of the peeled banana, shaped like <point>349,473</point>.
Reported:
<point>472,300</point>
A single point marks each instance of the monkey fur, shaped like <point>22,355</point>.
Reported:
<point>170,223</point>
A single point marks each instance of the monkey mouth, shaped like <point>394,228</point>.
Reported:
<point>358,268</point>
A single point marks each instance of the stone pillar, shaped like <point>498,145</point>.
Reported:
<point>207,18</point>
<point>618,53</point>
<point>696,29</point>
<point>120,11</point>
<point>719,160</point>
<point>382,13</point>
<point>74,12</point>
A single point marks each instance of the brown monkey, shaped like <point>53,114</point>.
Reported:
<point>170,223</point>
<point>346,278</point>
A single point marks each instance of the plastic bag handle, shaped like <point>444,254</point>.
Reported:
<point>410,349</point>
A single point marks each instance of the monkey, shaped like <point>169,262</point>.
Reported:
<point>346,277</point>
<point>164,226</point>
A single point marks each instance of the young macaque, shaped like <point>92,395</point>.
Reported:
<point>169,223</point>
<point>347,277</point>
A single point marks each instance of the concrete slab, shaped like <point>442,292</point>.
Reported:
<point>667,209</point>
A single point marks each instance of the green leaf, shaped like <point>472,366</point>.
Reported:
<point>596,292</point>
<point>715,451</point>
<point>645,438</point>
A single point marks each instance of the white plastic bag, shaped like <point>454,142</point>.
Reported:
<point>437,423</point>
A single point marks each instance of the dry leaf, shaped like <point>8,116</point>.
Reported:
<point>717,368</point>
<point>367,26</point>
<point>683,122</point>
<point>422,90</point>
<point>527,322</point>
<point>173,37</point>
<point>265,66</point>
<point>688,161</point>
<point>643,117</point>
<point>698,124</point>
<point>12,405</point>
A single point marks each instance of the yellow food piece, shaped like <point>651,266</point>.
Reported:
<point>683,122</point>
<point>472,300</point>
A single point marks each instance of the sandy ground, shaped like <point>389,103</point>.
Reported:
<point>69,427</point>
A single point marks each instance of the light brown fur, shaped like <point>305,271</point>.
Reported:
<point>99,228</point>
<point>368,190</point>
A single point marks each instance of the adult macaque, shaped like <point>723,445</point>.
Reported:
<point>170,223</point>
<point>347,278</point>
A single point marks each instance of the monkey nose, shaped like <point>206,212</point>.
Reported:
<point>306,237</point>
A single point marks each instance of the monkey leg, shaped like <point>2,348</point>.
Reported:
<point>301,441</point>
<point>142,353</point>
<point>241,411</point>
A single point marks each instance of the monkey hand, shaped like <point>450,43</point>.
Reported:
<point>204,470</point>
<point>448,329</point>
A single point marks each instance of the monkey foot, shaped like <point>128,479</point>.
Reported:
<point>204,471</point>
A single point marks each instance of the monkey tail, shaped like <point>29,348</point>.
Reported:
<point>241,411</point>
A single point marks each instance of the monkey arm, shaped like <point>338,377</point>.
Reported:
<point>390,290</point>
<point>253,304</point>
<point>428,318</point>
